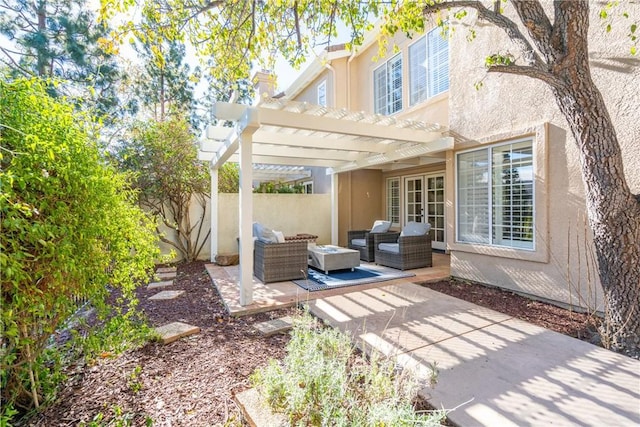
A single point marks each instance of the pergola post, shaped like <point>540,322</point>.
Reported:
<point>245,219</point>
<point>334,209</point>
<point>214,235</point>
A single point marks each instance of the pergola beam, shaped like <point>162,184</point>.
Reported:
<point>441,144</point>
<point>271,117</point>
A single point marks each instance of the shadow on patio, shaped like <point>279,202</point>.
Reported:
<point>286,294</point>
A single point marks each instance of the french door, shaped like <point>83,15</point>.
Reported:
<point>424,202</point>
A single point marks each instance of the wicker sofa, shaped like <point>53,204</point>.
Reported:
<point>277,262</point>
<point>414,251</point>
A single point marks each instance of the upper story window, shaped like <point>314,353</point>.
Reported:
<point>387,86</point>
<point>428,66</point>
<point>495,195</point>
<point>322,93</point>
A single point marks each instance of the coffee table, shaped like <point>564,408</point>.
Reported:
<point>328,258</point>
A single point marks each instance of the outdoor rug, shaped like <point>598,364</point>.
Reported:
<point>318,281</point>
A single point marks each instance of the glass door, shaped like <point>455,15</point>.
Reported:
<point>413,196</point>
<point>434,201</point>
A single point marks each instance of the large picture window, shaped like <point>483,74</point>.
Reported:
<point>495,189</point>
<point>387,86</point>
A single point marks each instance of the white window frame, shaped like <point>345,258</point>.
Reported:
<point>387,91</point>
<point>308,187</point>
<point>489,240</point>
<point>390,198</point>
<point>322,93</point>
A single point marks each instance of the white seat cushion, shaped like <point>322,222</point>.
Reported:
<point>390,247</point>
<point>358,242</point>
<point>415,229</point>
<point>380,226</point>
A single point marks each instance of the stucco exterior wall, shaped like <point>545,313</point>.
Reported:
<point>289,213</point>
<point>195,211</point>
<point>434,110</point>
<point>359,200</point>
<point>562,267</point>
<point>310,93</point>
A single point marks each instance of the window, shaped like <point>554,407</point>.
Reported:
<point>308,187</point>
<point>393,201</point>
<point>438,61</point>
<point>428,66</point>
<point>322,93</point>
<point>387,86</point>
<point>495,195</point>
<point>418,71</point>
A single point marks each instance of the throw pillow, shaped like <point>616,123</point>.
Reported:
<point>415,229</point>
<point>279,236</point>
<point>268,236</point>
<point>257,229</point>
<point>380,226</point>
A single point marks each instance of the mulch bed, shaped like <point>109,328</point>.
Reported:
<point>191,382</point>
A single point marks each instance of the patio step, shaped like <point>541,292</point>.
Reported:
<point>165,276</point>
<point>275,326</point>
<point>159,285</point>
<point>256,412</point>
<point>174,331</point>
<point>164,295</point>
<point>166,270</point>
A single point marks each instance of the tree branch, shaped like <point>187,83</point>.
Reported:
<point>537,22</point>
<point>530,55</point>
<point>524,70</point>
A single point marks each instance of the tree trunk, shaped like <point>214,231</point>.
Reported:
<point>560,58</point>
<point>42,60</point>
<point>613,211</point>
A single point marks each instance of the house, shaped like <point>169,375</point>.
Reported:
<point>500,183</point>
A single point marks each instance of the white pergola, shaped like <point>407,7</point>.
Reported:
<point>277,132</point>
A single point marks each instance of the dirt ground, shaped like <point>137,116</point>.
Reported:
<point>191,382</point>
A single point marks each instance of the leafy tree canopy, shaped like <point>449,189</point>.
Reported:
<point>237,34</point>
<point>61,40</point>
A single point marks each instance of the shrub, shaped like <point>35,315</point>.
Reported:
<point>70,229</point>
<point>322,382</point>
<point>163,157</point>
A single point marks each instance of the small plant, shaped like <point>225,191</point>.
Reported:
<point>119,419</point>
<point>323,381</point>
<point>134,379</point>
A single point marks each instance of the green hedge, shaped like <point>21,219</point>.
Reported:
<point>70,228</point>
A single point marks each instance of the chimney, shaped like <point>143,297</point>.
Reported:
<point>264,84</point>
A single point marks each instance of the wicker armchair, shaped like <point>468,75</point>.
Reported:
<point>414,251</point>
<point>367,251</point>
<point>277,262</point>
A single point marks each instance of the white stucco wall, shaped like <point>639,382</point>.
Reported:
<point>562,267</point>
<point>289,213</point>
<point>195,214</point>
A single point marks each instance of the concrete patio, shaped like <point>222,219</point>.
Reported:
<point>498,370</point>
<point>495,369</point>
